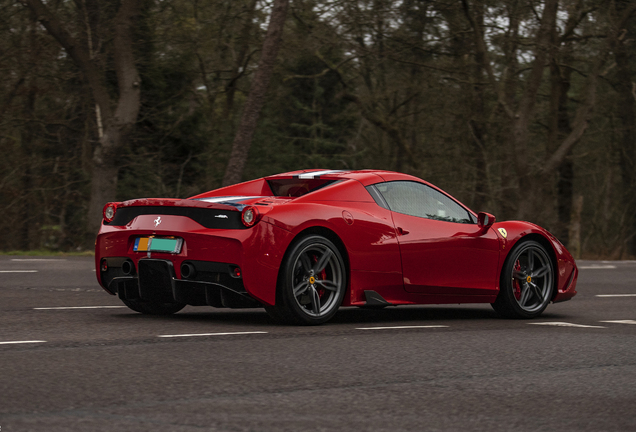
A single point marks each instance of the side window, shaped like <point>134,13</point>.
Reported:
<point>416,199</point>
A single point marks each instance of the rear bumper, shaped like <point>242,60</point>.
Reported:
<point>258,251</point>
<point>211,284</point>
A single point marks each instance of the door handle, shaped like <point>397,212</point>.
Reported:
<point>402,231</point>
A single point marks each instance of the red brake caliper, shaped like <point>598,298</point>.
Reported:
<point>320,276</point>
<point>515,282</point>
<point>323,276</point>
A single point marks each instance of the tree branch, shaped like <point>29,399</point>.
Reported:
<point>127,75</point>
<point>584,113</point>
<point>256,97</point>
<point>78,53</point>
<point>482,57</point>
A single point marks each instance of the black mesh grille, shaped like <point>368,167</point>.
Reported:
<point>209,218</point>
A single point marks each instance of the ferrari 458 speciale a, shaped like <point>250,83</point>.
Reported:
<point>304,243</point>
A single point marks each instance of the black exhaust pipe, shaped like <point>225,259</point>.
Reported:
<point>187,271</point>
<point>128,268</point>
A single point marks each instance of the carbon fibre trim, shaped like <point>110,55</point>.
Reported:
<point>209,218</point>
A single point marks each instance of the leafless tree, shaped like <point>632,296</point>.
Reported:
<point>258,91</point>
<point>115,115</point>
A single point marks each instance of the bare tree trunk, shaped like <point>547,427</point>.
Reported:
<point>575,227</point>
<point>529,185</point>
<point>116,124</point>
<point>117,128</point>
<point>559,128</point>
<point>239,62</point>
<point>581,120</point>
<point>626,113</point>
<point>391,128</point>
<point>565,195</point>
<point>477,123</point>
<point>27,147</point>
<point>256,98</point>
<point>464,49</point>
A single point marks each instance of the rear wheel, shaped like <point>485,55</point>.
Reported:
<point>527,280</point>
<point>311,284</point>
<point>153,308</point>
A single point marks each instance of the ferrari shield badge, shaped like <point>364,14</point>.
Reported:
<point>503,232</point>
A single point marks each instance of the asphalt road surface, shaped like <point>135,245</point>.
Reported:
<point>72,358</point>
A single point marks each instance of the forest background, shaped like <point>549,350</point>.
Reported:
<point>522,108</point>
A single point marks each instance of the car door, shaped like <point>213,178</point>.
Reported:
<point>442,249</point>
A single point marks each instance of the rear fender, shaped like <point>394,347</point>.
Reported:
<point>364,233</point>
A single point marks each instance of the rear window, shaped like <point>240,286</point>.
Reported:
<point>297,187</point>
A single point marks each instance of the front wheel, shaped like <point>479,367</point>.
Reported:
<point>312,283</point>
<point>527,281</point>
<point>153,308</point>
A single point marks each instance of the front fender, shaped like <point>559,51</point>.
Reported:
<point>565,266</point>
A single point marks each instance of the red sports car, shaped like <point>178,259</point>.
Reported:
<point>304,243</point>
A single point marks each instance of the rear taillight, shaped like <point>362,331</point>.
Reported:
<point>109,211</point>
<point>249,216</point>
<point>236,272</point>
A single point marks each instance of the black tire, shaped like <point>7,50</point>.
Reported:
<point>153,308</point>
<point>527,282</point>
<point>311,283</point>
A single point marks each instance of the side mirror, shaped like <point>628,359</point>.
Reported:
<point>485,221</point>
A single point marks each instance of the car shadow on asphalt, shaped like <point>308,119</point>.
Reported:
<point>426,314</point>
<point>406,315</point>
<point>412,313</point>
<point>208,314</point>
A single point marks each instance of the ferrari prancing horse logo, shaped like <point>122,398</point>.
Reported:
<point>157,221</point>
<point>503,232</point>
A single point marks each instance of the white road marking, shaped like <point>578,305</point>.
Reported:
<point>565,324</point>
<point>19,271</point>
<point>400,327</point>
<point>79,307</point>
<point>597,267</point>
<point>37,259</point>
<point>622,262</point>
<point>615,295</point>
<point>21,342</point>
<point>212,334</point>
<point>621,321</point>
